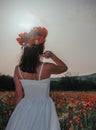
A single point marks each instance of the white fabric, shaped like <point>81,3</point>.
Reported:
<point>36,111</point>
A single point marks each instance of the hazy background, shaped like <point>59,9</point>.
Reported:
<point>71,25</point>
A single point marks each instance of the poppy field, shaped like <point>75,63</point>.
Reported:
<point>76,110</point>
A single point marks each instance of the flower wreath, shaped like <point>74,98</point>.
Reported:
<point>36,36</point>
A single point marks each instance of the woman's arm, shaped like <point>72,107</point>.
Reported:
<point>59,66</point>
<point>18,88</point>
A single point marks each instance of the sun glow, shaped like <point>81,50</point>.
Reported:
<point>26,25</point>
<point>29,20</point>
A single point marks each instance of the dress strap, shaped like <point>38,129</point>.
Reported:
<point>41,70</point>
<point>20,73</point>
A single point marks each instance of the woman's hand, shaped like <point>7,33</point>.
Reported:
<point>47,54</point>
<point>59,66</point>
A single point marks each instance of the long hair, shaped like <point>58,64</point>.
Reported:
<point>31,58</point>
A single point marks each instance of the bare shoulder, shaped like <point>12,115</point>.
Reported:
<point>48,65</point>
<point>54,69</point>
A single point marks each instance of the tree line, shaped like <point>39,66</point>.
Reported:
<point>64,84</point>
<point>6,83</point>
<point>73,84</point>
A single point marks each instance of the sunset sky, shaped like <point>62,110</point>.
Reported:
<point>71,25</point>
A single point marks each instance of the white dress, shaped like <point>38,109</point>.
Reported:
<point>36,111</point>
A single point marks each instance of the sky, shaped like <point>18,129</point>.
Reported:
<point>71,28</point>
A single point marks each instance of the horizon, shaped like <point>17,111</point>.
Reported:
<point>67,73</point>
<point>71,32</point>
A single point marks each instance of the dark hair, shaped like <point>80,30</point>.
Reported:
<point>31,58</point>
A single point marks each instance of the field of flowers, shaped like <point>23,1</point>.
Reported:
<point>76,110</point>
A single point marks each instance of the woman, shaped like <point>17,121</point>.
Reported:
<point>35,110</point>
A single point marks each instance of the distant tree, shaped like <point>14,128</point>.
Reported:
<point>6,83</point>
<point>73,84</point>
<point>54,86</point>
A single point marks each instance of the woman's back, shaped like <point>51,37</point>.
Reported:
<point>42,72</point>
<point>35,88</point>
<point>35,110</point>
